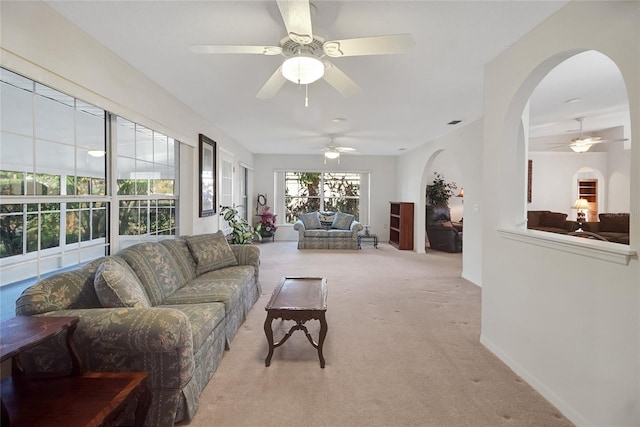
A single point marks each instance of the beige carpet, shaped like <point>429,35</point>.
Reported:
<point>402,349</point>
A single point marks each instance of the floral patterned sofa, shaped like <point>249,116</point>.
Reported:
<point>327,230</point>
<point>169,308</point>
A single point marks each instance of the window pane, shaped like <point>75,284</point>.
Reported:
<point>11,228</point>
<point>129,217</point>
<point>144,143</point>
<point>125,131</point>
<point>50,230</point>
<point>17,152</point>
<point>52,158</point>
<point>72,227</point>
<point>98,187</point>
<point>16,103</point>
<point>160,148</point>
<point>90,127</point>
<point>47,185</point>
<point>32,232</point>
<point>54,117</point>
<point>85,225</point>
<point>11,183</point>
<point>99,221</point>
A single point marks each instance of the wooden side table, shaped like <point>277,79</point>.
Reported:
<point>76,399</point>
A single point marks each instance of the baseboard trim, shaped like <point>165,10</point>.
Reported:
<point>562,405</point>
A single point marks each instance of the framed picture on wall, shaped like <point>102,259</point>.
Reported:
<point>207,176</point>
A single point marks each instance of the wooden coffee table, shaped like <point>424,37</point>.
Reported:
<point>299,299</point>
<point>78,398</point>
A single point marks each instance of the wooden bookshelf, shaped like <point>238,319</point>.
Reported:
<point>588,189</point>
<point>401,225</point>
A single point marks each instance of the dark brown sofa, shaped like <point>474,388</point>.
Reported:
<point>553,222</point>
<point>612,226</point>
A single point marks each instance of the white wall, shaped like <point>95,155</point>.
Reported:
<point>562,314</point>
<point>457,155</point>
<point>40,44</point>
<point>382,191</point>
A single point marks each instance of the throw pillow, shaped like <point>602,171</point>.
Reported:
<point>342,221</point>
<point>117,285</point>
<point>311,220</point>
<point>615,223</point>
<point>553,219</point>
<point>326,219</point>
<point>211,252</point>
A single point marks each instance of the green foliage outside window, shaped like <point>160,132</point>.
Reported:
<point>329,191</point>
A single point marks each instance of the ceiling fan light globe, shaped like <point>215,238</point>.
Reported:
<point>302,69</point>
<point>580,148</point>
<point>331,154</point>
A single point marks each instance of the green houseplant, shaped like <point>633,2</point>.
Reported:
<point>439,192</point>
<point>243,233</point>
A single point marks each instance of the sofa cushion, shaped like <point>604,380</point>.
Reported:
<point>179,250</point>
<point>155,267</point>
<point>203,319</point>
<point>315,233</point>
<point>342,221</point>
<point>211,288</point>
<point>117,285</point>
<point>311,220</point>
<point>326,219</point>
<point>533,218</point>
<point>553,219</point>
<point>342,234</point>
<point>614,222</point>
<point>211,252</point>
<point>62,291</point>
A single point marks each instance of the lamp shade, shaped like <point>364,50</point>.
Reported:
<point>302,69</point>
<point>581,204</point>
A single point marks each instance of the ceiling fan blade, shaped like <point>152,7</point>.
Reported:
<point>272,86</point>
<point>218,48</point>
<point>340,81</point>
<point>296,15</point>
<point>377,45</point>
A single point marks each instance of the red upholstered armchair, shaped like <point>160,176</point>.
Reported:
<point>442,235</point>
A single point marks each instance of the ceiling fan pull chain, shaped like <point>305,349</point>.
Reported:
<point>306,95</point>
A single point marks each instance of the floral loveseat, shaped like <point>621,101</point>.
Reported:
<point>169,308</point>
<point>327,230</point>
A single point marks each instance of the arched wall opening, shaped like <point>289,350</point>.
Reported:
<point>586,88</point>
<point>445,163</point>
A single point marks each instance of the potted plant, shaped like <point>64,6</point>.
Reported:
<point>439,192</point>
<point>243,233</point>
<point>267,223</point>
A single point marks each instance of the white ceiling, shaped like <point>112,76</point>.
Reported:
<point>407,99</point>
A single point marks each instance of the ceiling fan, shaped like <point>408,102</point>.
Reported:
<point>305,52</point>
<point>332,150</point>
<point>582,144</point>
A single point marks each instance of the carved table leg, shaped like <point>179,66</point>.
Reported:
<point>323,334</point>
<point>269,333</point>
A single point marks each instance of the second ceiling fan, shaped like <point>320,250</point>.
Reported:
<point>305,52</point>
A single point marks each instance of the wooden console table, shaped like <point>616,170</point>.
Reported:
<point>300,299</point>
<point>76,399</point>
